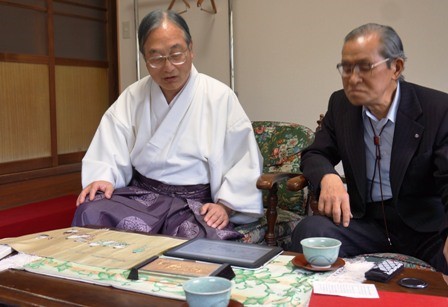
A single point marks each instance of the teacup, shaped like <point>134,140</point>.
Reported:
<point>320,252</point>
<point>208,291</point>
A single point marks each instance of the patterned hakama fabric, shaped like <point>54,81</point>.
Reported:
<point>150,206</point>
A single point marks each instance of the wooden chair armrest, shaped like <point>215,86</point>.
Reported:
<point>267,180</point>
<point>297,183</point>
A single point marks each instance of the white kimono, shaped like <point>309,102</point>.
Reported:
<point>203,136</point>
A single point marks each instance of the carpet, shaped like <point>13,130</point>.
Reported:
<point>36,217</point>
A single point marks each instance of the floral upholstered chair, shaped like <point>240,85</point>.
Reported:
<point>280,145</point>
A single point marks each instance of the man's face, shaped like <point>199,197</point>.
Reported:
<point>163,41</point>
<point>374,88</point>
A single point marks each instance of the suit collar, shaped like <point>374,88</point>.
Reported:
<point>410,105</point>
<point>407,136</point>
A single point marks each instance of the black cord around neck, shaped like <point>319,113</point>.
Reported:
<point>377,142</point>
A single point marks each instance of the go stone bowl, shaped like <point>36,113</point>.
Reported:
<point>320,252</point>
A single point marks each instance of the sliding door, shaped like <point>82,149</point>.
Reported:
<point>58,74</point>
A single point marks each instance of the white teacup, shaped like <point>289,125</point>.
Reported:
<point>208,291</point>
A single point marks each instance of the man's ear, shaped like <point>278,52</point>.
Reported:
<point>190,47</point>
<point>398,67</point>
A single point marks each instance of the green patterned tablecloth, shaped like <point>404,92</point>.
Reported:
<point>279,283</point>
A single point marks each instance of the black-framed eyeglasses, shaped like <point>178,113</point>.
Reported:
<point>176,58</point>
<point>346,69</point>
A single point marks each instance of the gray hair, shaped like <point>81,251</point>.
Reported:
<point>154,19</point>
<point>391,46</point>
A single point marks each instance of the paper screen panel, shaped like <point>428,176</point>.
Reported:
<point>24,111</point>
<point>81,99</point>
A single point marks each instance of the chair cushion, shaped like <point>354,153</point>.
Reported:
<point>254,232</point>
<point>281,144</point>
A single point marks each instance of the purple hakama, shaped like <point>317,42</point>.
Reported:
<point>150,206</point>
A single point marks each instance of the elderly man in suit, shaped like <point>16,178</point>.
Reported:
<point>392,139</point>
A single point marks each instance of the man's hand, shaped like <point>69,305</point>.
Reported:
<point>92,188</point>
<point>445,250</point>
<point>334,200</point>
<point>445,253</point>
<point>215,215</point>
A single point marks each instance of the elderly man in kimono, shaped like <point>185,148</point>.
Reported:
<point>175,154</point>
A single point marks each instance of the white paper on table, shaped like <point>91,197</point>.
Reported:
<point>16,261</point>
<point>351,272</point>
<point>5,250</point>
<point>345,289</point>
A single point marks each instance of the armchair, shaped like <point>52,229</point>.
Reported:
<point>280,144</point>
<point>299,182</point>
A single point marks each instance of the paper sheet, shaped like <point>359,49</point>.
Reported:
<point>351,272</point>
<point>5,250</point>
<point>345,289</point>
<point>16,261</point>
<point>347,281</point>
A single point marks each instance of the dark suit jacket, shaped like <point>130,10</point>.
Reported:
<point>419,161</point>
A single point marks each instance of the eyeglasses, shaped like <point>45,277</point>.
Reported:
<point>176,58</point>
<point>346,69</point>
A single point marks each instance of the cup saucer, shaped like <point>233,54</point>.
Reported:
<point>300,261</point>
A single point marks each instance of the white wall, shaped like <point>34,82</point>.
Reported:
<point>286,50</point>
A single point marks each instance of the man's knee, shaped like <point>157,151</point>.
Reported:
<point>311,226</point>
<point>314,226</point>
<point>85,214</point>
